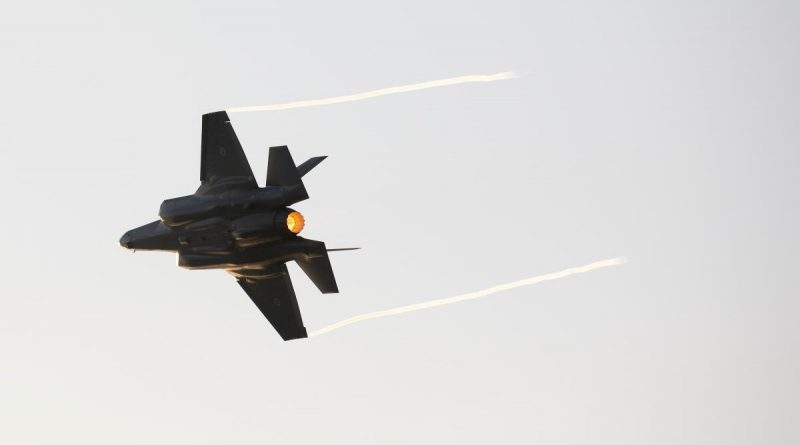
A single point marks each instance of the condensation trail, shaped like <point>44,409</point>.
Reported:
<point>381,92</point>
<point>472,295</point>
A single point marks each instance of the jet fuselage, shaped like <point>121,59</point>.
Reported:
<point>241,232</point>
<point>249,231</point>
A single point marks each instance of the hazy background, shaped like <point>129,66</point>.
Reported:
<point>663,131</point>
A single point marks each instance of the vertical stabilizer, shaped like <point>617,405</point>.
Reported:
<point>281,170</point>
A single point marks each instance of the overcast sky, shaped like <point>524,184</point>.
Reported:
<point>664,131</point>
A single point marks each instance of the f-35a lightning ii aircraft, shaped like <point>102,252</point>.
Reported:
<point>230,223</point>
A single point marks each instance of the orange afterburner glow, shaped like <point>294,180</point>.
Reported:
<point>295,222</point>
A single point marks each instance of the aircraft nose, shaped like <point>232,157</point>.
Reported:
<point>125,241</point>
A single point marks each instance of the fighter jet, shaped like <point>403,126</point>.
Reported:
<point>231,223</point>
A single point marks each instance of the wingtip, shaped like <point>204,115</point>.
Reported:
<point>297,335</point>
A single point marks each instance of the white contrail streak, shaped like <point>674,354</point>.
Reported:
<point>381,92</point>
<point>472,295</point>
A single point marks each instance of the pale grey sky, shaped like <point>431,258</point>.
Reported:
<point>666,132</point>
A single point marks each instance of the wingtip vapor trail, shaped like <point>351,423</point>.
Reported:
<point>505,75</point>
<point>472,295</point>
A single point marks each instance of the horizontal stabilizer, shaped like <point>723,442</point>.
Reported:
<point>341,249</point>
<point>306,167</point>
<point>319,270</point>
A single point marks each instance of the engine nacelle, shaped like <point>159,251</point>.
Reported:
<point>264,227</point>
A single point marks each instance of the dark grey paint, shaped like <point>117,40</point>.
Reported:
<point>230,223</point>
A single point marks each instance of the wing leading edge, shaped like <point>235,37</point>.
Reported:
<point>274,296</point>
<point>222,159</point>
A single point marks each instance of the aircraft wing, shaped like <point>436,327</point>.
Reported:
<point>223,164</point>
<point>274,296</point>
